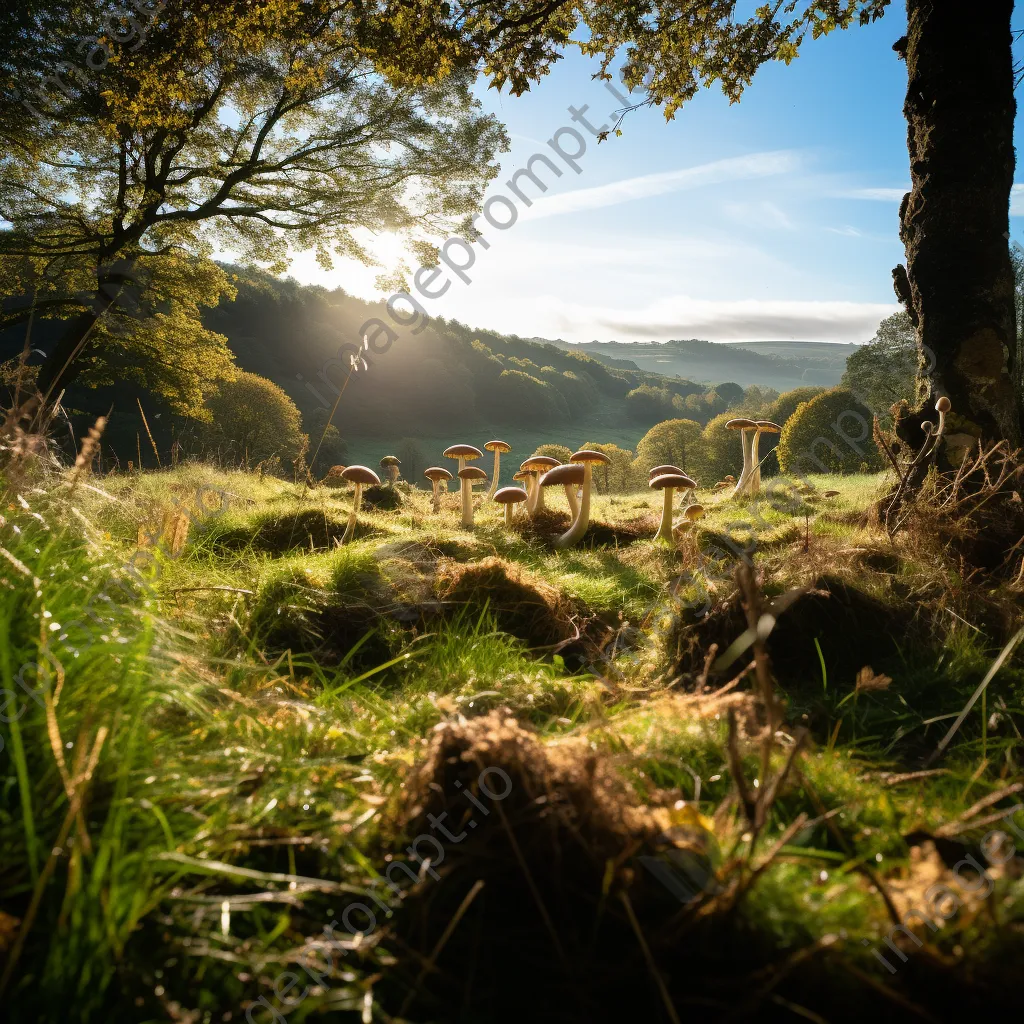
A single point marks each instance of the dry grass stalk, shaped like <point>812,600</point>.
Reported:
<point>90,448</point>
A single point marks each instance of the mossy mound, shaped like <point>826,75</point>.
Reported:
<point>275,534</point>
<point>549,524</point>
<point>382,499</point>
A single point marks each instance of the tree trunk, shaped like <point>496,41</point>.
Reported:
<point>64,363</point>
<point>959,285</point>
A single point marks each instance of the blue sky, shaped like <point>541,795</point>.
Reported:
<point>774,218</point>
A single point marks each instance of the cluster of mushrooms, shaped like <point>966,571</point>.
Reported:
<point>749,483</point>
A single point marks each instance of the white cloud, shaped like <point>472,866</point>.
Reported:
<point>762,214</point>
<point>753,165</point>
<point>741,320</point>
<point>885,195</point>
<point>1017,201</point>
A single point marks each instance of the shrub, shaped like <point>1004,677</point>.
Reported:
<point>779,412</point>
<point>554,451</point>
<point>883,372</point>
<point>719,452</point>
<point>619,477</point>
<point>648,404</point>
<point>672,441</point>
<point>829,434</point>
<point>254,421</point>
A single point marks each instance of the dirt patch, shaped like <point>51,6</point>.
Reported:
<point>521,603</point>
<point>309,529</point>
<point>549,524</point>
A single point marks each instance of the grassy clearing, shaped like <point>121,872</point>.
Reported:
<point>221,742</point>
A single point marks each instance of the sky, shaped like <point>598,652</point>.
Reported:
<point>772,219</point>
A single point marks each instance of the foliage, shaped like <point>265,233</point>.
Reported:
<point>647,404</point>
<point>883,372</point>
<point>618,477</point>
<point>412,457</point>
<point>253,421</point>
<point>719,453</point>
<point>333,448</point>
<point>554,451</point>
<point>831,433</point>
<point>675,442</point>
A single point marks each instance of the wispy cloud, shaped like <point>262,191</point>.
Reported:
<point>762,214</point>
<point>753,165</point>
<point>1017,201</point>
<point>742,320</point>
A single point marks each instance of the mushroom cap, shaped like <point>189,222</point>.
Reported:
<point>659,483</point>
<point>538,464</point>
<point>462,451</point>
<point>522,475</point>
<point>472,473</point>
<point>943,404</point>
<point>767,427</point>
<point>437,473</point>
<point>586,455</point>
<point>729,478</point>
<point>831,494</point>
<point>693,512</point>
<point>360,475</point>
<point>571,473</point>
<point>720,485</point>
<point>658,470</point>
<point>741,424</point>
<point>927,426</point>
<point>498,446</point>
<point>510,495</point>
<point>390,460</point>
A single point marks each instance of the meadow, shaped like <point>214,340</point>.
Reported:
<point>250,739</point>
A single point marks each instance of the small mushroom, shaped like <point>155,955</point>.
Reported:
<point>831,494</point>
<point>469,476</point>
<point>527,480</point>
<point>360,476</point>
<point>942,406</point>
<point>389,466</point>
<point>510,497</point>
<point>588,459</point>
<point>464,453</point>
<point>763,427</point>
<point>437,476</point>
<point>729,478</point>
<point>747,430</point>
<point>537,465</point>
<point>498,447</point>
<point>668,482</point>
<point>570,476</point>
<point>658,470</point>
<point>927,426</point>
<point>334,477</point>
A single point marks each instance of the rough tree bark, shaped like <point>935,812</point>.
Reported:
<point>958,283</point>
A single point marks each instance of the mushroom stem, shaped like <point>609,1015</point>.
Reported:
<point>494,478</point>
<point>665,530</point>
<point>746,438</point>
<point>570,496</point>
<point>467,505</point>
<point>437,495</point>
<point>508,514</point>
<point>582,520</point>
<point>754,483</point>
<point>536,502</point>
<point>356,501</point>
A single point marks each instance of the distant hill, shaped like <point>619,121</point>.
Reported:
<point>777,364</point>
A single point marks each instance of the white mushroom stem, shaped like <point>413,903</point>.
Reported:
<point>508,513</point>
<point>665,529</point>
<point>494,478</point>
<point>437,495</point>
<point>754,483</point>
<point>570,496</point>
<point>467,504</point>
<point>356,501</point>
<point>393,475</point>
<point>582,520</point>
<point>746,438</point>
<point>536,502</point>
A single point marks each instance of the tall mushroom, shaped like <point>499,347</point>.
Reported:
<point>497,447</point>
<point>763,427</point>
<point>468,476</point>
<point>527,480</point>
<point>464,453</point>
<point>360,476</point>
<point>747,429</point>
<point>658,470</point>
<point>588,459</point>
<point>510,497</point>
<point>537,465</point>
<point>668,482</point>
<point>389,466</point>
<point>570,475</point>
<point>436,475</point>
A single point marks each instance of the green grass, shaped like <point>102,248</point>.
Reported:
<point>268,723</point>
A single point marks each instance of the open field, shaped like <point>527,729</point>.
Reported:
<point>248,746</point>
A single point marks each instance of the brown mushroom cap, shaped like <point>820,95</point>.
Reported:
<point>767,427</point>
<point>437,473</point>
<point>571,473</point>
<point>390,460</point>
<point>658,470</point>
<point>498,446</point>
<point>927,426</point>
<point>472,473</point>
<point>510,495</point>
<point>522,475</point>
<point>360,475</point>
<point>741,424</point>
<point>943,404</point>
<point>659,483</point>
<point>729,478</point>
<point>693,512</point>
<point>462,451</point>
<point>585,455</point>
<point>538,464</point>
<point>831,494</point>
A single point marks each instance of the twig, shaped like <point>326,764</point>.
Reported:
<point>651,965</point>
